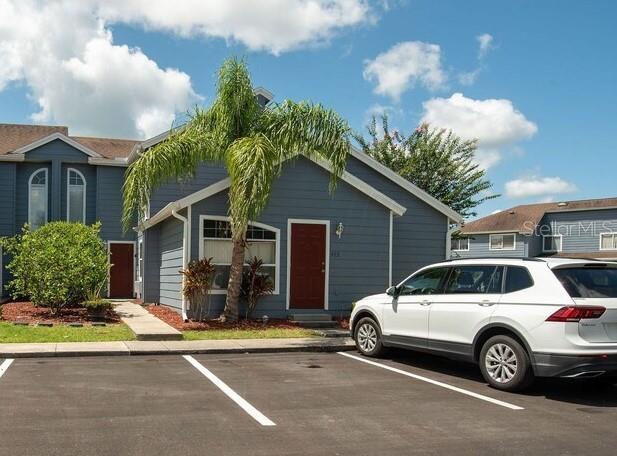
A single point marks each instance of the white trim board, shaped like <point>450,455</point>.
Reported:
<point>53,137</point>
<point>277,246</point>
<point>327,273</point>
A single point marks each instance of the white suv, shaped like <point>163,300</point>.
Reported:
<point>516,318</point>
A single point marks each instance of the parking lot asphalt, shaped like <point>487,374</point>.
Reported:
<point>291,404</point>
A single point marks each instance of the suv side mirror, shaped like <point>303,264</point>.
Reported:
<point>392,291</point>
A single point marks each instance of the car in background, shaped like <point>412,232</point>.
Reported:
<point>516,318</point>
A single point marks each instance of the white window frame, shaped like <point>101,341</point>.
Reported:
<point>490,242</point>
<point>68,195</point>
<point>545,250</point>
<point>34,173</point>
<point>277,253</point>
<point>614,235</point>
<point>461,250</point>
<point>326,223</point>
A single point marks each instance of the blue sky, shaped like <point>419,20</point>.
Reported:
<point>541,95</point>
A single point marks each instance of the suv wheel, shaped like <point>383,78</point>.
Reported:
<point>505,364</point>
<point>368,337</point>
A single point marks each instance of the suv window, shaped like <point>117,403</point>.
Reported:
<point>517,278</point>
<point>475,279</point>
<point>588,282</point>
<point>426,282</point>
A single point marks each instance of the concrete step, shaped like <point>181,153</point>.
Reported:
<point>332,332</point>
<point>316,324</point>
<point>310,317</point>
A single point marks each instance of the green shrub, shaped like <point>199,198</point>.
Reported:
<point>57,264</point>
<point>97,305</point>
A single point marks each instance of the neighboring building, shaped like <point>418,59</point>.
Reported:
<point>47,175</point>
<point>578,229</point>
<point>322,250</point>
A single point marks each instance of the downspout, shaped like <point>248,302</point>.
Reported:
<point>185,256</point>
<point>449,234</point>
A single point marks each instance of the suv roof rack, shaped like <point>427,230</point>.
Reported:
<point>541,260</point>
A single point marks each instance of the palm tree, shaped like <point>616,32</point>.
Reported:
<point>252,142</point>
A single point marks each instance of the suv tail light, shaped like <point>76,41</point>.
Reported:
<point>576,313</point>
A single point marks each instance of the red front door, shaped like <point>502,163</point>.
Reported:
<point>121,272</point>
<point>308,266</point>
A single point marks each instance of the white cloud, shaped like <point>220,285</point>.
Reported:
<point>485,43</point>
<point>404,65</point>
<point>538,186</point>
<point>274,26</point>
<point>78,77</point>
<point>495,123</point>
<point>469,78</point>
<point>63,51</point>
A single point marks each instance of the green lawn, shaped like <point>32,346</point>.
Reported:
<point>266,333</point>
<point>27,334</point>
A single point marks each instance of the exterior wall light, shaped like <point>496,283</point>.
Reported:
<point>339,229</point>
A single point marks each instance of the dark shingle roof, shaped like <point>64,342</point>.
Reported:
<point>525,218</point>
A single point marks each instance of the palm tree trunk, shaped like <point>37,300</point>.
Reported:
<point>235,281</point>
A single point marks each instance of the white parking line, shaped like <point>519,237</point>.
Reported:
<point>248,408</point>
<point>435,382</point>
<point>5,365</point>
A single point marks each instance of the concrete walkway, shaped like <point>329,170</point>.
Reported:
<point>183,347</point>
<point>145,325</point>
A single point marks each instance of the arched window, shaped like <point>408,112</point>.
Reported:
<point>37,199</point>
<point>75,196</point>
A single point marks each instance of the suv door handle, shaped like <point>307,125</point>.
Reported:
<point>486,303</point>
<point>426,302</point>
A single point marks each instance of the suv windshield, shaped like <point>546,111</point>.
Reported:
<point>588,282</point>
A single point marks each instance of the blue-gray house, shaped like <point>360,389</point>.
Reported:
<point>322,250</point>
<point>578,229</point>
<point>46,175</point>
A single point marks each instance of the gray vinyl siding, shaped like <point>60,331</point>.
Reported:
<point>206,174</point>
<point>109,181</point>
<point>170,248</point>
<point>419,235</point>
<point>581,230</point>
<point>358,260</point>
<point>7,198</point>
<point>479,247</point>
<point>152,265</point>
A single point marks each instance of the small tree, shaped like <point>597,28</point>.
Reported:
<point>436,160</point>
<point>197,284</point>
<point>255,285</point>
<point>57,264</point>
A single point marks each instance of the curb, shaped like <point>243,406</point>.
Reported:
<point>343,346</point>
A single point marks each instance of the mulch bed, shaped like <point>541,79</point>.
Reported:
<point>28,313</point>
<point>174,319</point>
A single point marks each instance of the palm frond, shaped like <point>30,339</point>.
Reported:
<point>177,157</point>
<point>252,163</point>
<point>310,129</point>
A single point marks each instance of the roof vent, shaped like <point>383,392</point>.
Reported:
<point>511,212</point>
<point>562,204</point>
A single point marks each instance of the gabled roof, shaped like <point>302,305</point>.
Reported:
<point>16,140</point>
<point>525,218</point>
<point>13,137</point>
<point>224,184</point>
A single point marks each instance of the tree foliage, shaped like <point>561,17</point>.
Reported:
<point>436,160</point>
<point>251,141</point>
<point>58,264</point>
